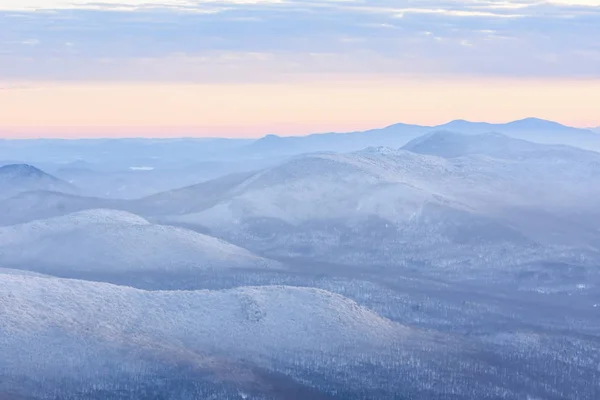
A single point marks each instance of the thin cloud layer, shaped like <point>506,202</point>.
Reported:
<point>265,40</point>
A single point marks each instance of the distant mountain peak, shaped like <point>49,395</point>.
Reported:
<point>271,136</point>
<point>19,178</point>
<point>454,144</point>
<point>533,122</point>
<point>23,170</point>
<point>463,122</point>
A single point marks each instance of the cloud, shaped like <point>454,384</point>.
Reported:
<point>252,40</point>
<point>30,42</point>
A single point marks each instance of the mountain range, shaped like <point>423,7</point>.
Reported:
<point>460,265</point>
<point>532,129</point>
<point>443,199</point>
<point>163,154</point>
<point>448,197</point>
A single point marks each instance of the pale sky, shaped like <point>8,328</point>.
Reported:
<point>253,67</point>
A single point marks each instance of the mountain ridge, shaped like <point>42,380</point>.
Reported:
<point>19,178</point>
<point>117,242</point>
<point>397,135</point>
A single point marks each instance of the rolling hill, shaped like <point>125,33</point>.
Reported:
<point>100,243</point>
<point>68,335</point>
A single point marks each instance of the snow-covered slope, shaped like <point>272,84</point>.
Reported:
<point>109,241</point>
<point>51,326</point>
<point>397,184</point>
<point>395,205</point>
<point>451,144</point>
<point>18,178</point>
<point>532,129</point>
<point>480,198</point>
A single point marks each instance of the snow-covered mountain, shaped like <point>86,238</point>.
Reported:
<point>532,129</point>
<point>449,144</point>
<point>78,339</point>
<point>274,317</point>
<point>489,198</point>
<point>57,331</point>
<point>105,242</point>
<point>19,178</point>
<point>486,192</point>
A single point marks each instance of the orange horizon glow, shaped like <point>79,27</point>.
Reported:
<point>81,110</point>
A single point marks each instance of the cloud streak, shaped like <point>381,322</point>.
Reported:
<point>270,40</point>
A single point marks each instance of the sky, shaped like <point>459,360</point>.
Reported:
<point>246,68</point>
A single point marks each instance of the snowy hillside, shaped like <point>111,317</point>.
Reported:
<point>451,144</point>
<point>532,129</point>
<point>398,205</point>
<point>53,327</point>
<point>19,178</point>
<point>492,167</point>
<point>109,241</point>
<point>452,199</point>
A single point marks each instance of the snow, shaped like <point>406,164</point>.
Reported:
<point>260,321</point>
<point>378,181</point>
<point>490,198</point>
<point>115,241</point>
<point>451,144</point>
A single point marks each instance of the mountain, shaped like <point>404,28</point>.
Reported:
<point>446,199</point>
<point>449,144</point>
<point>260,313</point>
<point>18,178</point>
<point>519,126</point>
<point>80,339</point>
<point>394,136</point>
<point>515,199</point>
<point>68,335</point>
<point>192,198</point>
<point>105,243</point>
<point>531,129</point>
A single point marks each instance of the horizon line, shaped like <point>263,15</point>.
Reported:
<point>261,136</point>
